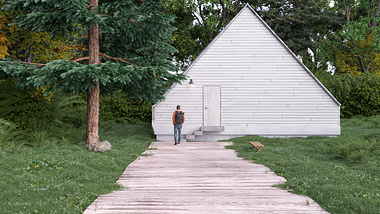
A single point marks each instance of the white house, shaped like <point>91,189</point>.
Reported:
<point>248,82</point>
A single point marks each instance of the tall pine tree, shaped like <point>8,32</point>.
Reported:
<point>128,48</point>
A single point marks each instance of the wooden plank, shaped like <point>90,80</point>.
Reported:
<point>199,177</point>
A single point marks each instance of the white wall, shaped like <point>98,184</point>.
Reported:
<point>264,89</point>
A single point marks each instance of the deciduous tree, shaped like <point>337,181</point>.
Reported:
<point>355,49</point>
<point>4,42</point>
<point>301,24</point>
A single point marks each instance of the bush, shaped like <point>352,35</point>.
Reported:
<point>27,108</point>
<point>358,95</point>
<point>119,106</point>
<point>9,136</point>
<point>31,110</point>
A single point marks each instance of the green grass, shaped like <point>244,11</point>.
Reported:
<point>67,178</point>
<point>341,174</point>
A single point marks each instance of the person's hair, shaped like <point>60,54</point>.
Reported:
<point>178,107</point>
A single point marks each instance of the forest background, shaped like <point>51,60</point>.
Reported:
<point>337,40</point>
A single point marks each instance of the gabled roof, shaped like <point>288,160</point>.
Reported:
<point>247,6</point>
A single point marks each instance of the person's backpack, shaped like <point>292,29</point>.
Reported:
<point>179,117</point>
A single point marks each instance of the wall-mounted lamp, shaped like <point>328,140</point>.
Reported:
<point>191,81</point>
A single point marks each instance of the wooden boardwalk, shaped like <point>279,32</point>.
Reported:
<point>199,177</point>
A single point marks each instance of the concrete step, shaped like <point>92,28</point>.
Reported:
<point>212,128</point>
<point>190,137</point>
<point>198,133</point>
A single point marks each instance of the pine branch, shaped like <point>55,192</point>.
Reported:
<point>128,20</point>
<point>105,56</point>
<point>29,63</point>
<point>81,59</point>
<point>118,59</point>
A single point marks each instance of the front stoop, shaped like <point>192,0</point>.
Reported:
<point>212,128</point>
<point>204,129</point>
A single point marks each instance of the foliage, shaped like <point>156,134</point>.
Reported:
<point>28,46</point>
<point>360,52</point>
<point>132,39</point>
<point>135,47</point>
<point>355,48</point>
<point>3,39</point>
<point>10,137</point>
<point>197,23</point>
<point>67,178</point>
<point>358,95</point>
<point>301,24</point>
<point>341,174</point>
<point>119,105</point>
<point>184,38</point>
<point>68,110</point>
<point>354,149</point>
<point>40,47</point>
<point>32,110</point>
<point>28,109</point>
<point>39,138</point>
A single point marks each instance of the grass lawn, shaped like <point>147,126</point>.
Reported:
<point>341,174</point>
<point>67,179</point>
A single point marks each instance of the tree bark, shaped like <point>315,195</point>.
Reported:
<point>364,68</point>
<point>237,6</point>
<point>28,53</point>
<point>347,9</point>
<point>377,12</point>
<point>224,10</point>
<point>203,18</point>
<point>93,91</point>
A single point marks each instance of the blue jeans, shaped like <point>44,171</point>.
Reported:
<point>177,128</point>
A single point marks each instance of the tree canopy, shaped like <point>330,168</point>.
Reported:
<point>127,46</point>
<point>355,48</point>
<point>302,25</point>
<point>322,33</point>
<point>134,45</point>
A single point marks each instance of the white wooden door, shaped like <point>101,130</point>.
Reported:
<point>211,105</point>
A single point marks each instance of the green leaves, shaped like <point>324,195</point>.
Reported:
<point>355,48</point>
<point>55,16</point>
<point>358,95</point>
<point>131,33</point>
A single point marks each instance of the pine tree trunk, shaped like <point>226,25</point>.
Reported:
<point>93,91</point>
<point>93,114</point>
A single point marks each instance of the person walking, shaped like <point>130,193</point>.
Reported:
<point>178,119</point>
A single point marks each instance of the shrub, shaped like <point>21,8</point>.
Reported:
<point>119,106</point>
<point>354,150</point>
<point>31,110</point>
<point>24,107</point>
<point>39,138</point>
<point>10,138</point>
<point>358,95</point>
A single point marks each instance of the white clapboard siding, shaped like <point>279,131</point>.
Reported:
<point>265,89</point>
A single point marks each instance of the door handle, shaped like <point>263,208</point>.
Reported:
<point>206,107</point>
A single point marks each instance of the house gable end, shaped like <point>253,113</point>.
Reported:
<point>262,88</point>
